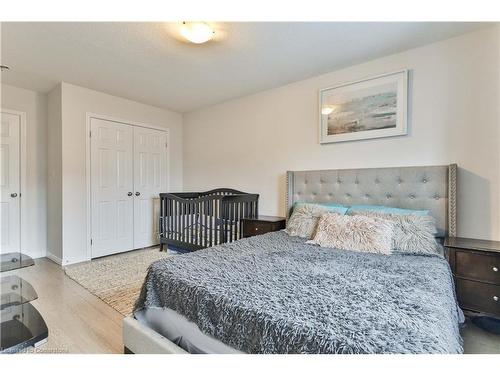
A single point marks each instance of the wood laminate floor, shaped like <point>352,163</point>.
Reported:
<point>79,322</point>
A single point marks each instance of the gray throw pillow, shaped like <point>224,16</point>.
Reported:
<point>357,233</point>
<point>304,220</point>
<point>412,233</point>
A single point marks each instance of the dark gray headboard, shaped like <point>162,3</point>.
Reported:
<point>429,187</point>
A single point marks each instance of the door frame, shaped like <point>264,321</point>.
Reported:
<point>23,209</point>
<point>89,117</point>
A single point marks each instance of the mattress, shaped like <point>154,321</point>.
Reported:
<point>181,331</point>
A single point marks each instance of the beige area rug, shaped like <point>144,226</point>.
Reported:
<point>116,279</point>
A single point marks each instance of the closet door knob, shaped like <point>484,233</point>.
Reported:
<point>137,193</point>
<point>495,269</point>
<point>129,193</point>
<point>13,195</point>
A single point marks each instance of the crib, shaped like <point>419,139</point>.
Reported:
<point>193,221</point>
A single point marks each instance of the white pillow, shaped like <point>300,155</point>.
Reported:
<point>304,220</point>
<point>412,233</point>
<point>357,233</point>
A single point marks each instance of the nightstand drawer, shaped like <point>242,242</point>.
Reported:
<point>252,228</point>
<point>478,266</point>
<point>477,296</point>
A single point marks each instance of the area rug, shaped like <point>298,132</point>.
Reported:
<point>116,279</point>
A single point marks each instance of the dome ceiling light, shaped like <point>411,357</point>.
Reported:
<point>197,32</point>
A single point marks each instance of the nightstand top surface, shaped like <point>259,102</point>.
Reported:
<point>271,219</point>
<point>472,244</point>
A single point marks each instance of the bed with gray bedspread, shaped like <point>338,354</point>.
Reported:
<point>276,294</point>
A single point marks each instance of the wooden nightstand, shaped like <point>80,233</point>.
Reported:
<point>262,224</point>
<point>476,269</point>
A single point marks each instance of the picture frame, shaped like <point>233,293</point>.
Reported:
<point>374,107</point>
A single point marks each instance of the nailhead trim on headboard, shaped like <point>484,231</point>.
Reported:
<point>452,200</point>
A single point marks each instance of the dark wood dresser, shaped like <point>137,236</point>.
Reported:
<point>262,224</point>
<point>476,268</point>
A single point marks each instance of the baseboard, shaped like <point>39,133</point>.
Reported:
<point>36,255</point>
<point>55,259</point>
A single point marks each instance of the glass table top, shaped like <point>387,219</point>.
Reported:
<point>13,261</point>
<point>15,291</point>
<point>21,326</point>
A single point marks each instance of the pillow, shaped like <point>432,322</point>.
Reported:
<point>304,220</point>
<point>384,209</point>
<point>412,233</point>
<point>357,233</point>
<point>330,207</point>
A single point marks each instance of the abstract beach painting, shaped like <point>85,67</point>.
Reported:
<point>371,108</point>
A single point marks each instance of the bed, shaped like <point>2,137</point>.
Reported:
<point>276,294</point>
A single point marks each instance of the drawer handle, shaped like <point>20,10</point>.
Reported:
<point>256,229</point>
<point>495,298</point>
<point>495,269</point>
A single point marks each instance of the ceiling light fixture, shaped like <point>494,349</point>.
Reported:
<point>4,68</point>
<point>197,32</point>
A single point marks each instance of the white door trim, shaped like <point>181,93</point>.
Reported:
<point>22,173</point>
<point>89,116</point>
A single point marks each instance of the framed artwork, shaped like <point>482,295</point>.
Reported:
<point>371,108</point>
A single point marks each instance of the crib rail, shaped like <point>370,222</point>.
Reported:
<point>196,220</point>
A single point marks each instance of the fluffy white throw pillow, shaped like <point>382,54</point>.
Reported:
<point>357,233</point>
<point>412,233</point>
<point>304,220</point>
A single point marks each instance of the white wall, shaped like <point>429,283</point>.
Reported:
<point>76,103</point>
<point>249,143</point>
<point>34,104</point>
<point>54,175</point>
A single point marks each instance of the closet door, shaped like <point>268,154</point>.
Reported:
<point>150,179</point>
<point>112,187</point>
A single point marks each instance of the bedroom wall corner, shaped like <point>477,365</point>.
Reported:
<point>54,175</point>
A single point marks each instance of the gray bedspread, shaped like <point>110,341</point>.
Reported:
<point>276,294</point>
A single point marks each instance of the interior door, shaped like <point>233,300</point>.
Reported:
<point>10,206</point>
<point>150,179</point>
<point>111,187</point>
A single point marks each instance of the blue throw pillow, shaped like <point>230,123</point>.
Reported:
<point>386,210</point>
<point>330,207</point>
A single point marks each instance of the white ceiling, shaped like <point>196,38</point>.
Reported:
<point>147,63</point>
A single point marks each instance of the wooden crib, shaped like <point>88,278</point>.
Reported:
<point>193,221</point>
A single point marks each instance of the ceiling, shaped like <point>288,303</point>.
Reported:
<point>146,62</point>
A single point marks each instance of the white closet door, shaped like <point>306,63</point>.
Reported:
<point>10,205</point>
<point>150,179</point>
<point>112,187</point>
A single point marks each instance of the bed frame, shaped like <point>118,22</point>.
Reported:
<point>194,221</point>
<point>426,187</point>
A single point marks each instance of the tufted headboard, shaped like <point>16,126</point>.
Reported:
<point>430,187</point>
